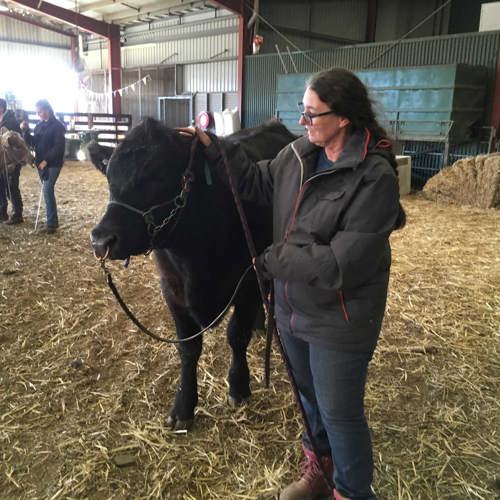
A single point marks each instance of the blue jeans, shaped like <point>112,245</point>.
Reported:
<point>332,388</point>
<point>48,183</point>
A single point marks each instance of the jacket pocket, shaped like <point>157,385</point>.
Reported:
<point>332,196</point>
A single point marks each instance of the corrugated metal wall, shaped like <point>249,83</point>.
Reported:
<point>181,51</point>
<point>16,31</point>
<point>397,17</point>
<point>347,19</point>
<point>321,17</point>
<point>26,51</point>
<point>471,48</point>
<point>210,77</point>
<point>20,50</point>
<point>144,101</point>
<point>199,57</point>
<point>96,97</point>
<point>20,40</point>
<point>180,44</point>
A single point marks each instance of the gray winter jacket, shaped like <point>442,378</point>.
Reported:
<point>331,255</point>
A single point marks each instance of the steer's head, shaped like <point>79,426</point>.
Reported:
<point>145,170</point>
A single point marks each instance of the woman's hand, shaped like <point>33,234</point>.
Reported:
<point>42,164</point>
<point>192,131</point>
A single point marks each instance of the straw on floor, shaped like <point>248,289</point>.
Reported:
<point>83,394</point>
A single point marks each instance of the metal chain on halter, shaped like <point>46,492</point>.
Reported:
<point>153,229</point>
<point>180,200</point>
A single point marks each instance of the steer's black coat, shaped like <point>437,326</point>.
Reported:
<point>201,255</point>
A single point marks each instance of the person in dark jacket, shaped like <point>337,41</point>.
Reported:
<point>9,181</point>
<point>49,142</point>
<point>335,196</point>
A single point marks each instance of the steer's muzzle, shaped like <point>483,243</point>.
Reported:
<point>102,243</point>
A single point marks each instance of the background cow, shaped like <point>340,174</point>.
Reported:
<point>201,253</point>
<point>13,150</point>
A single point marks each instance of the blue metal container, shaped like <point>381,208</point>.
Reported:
<point>430,103</point>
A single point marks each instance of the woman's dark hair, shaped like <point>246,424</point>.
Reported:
<point>345,94</point>
<point>44,104</point>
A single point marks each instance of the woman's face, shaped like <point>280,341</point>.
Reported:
<point>43,114</point>
<point>321,130</point>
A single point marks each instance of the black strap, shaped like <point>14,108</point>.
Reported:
<point>271,326</point>
<point>149,333</point>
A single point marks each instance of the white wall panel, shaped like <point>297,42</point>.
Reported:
<point>173,45</point>
<point>13,30</point>
<point>194,48</point>
<point>97,59</point>
<point>180,51</point>
<point>211,77</point>
<point>14,50</point>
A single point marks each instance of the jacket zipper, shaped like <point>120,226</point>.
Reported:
<point>302,189</point>
<point>290,224</point>
<point>289,228</point>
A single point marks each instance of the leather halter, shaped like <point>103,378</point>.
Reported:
<point>179,201</point>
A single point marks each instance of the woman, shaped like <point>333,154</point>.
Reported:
<point>49,143</point>
<point>336,201</point>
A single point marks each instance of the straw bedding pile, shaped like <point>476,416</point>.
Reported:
<point>472,181</point>
<point>83,395</point>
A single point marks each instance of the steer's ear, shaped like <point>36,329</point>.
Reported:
<point>99,155</point>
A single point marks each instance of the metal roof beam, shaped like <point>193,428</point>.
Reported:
<point>152,9</point>
<point>36,22</point>
<point>237,6</point>
<point>74,18</point>
<point>96,5</point>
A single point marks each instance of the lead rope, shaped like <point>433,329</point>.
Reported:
<point>271,325</point>
<point>149,333</point>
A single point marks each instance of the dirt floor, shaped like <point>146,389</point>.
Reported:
<point>83,395</point>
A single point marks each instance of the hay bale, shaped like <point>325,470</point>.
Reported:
<point>472,181</point>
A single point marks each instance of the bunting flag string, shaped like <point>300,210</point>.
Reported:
<point>124,90</point>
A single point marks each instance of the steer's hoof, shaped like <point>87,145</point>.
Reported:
<point>178,425</point>
<point>236,402</point>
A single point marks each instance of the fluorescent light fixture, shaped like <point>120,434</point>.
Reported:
<point>3,6</point>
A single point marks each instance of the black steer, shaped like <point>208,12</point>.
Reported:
<point>201,252</point>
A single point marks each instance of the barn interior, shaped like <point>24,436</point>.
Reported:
<point>84,393</point>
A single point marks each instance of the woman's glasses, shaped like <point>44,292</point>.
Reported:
<point>308,117</point>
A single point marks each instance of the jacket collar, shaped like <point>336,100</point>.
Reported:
<point>354,152</point>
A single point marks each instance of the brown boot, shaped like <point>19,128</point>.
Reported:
<point>311,485</point>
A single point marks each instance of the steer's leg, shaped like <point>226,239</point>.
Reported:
<point>239,332</point>
<point>182,413</point>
